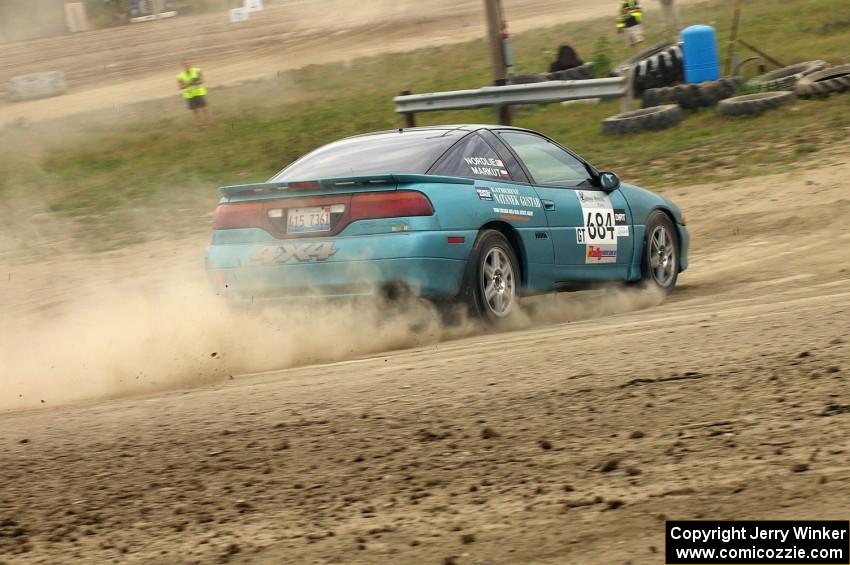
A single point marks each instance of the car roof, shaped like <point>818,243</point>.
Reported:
<point>447,127</point>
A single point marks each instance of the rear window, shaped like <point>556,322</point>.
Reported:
<point>393,152</point>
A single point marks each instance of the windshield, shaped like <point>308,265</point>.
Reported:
<point>411,151</point>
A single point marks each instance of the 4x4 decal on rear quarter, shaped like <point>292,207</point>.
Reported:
<point>280,254</point>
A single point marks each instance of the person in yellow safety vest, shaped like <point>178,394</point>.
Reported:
<point>191,82</point>
<point>630,22</point>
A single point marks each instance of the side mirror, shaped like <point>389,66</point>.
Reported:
<point>609,181</point>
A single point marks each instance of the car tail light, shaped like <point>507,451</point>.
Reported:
<point>394,204</point>
<point>247,215</point>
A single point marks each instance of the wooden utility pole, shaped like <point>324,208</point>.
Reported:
<point>731,55</point>
<point>495,19</point>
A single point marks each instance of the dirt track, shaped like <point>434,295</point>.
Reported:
<point>130,64</point>
<point>564,443</point>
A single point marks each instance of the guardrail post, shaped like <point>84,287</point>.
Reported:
<point>409,117</point>
<point>504,110</point>
<point>505,115</point>
<point>627,102</point>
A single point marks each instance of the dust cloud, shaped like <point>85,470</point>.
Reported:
<point>167,329</point>
<point>132,338</point>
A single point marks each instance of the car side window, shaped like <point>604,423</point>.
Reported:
<point>472,158</point>
<point>547,163</point>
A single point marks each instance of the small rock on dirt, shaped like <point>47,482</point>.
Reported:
<point>610,465</point>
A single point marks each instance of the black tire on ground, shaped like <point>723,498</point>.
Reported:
<point>528,78</point>
<point>687,96</point>
<point>655,118</point>
<point>754,104</point>
<point>660,264</point>
<point>653,97</point>
<point>637,57</point>
<point>581,72</point>
<point>692,96</point>
<point>658,66</point>
<point>710,94</point>
<point>730,85</point>
<point>503,275</point>
<point>823,83</point>
<point>786,77</point>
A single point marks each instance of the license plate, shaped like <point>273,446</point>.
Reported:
<point>308,220</point>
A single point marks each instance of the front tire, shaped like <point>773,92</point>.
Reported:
<point>496,277</point>
<point>660,266</point>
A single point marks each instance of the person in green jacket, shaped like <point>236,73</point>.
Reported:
<point>629,22</point>
<point>191,82</point>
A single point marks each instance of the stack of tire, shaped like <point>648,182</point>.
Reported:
<point>658,66</point>
<point>655,71</point>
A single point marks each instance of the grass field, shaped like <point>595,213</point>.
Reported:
<point>107,178</point>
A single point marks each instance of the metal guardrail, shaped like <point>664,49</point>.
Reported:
<point>534,93</point>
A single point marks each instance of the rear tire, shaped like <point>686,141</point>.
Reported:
<point>494,279</point>
<point>660,265</point>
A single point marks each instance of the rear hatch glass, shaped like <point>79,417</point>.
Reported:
<point>403,151</point>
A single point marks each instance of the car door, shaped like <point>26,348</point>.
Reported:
<point>591,228</point>
<point>501,193</point>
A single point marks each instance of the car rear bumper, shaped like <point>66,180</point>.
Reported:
<point>361,266</point>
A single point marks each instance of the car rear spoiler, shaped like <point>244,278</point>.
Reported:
<point>337,183</point>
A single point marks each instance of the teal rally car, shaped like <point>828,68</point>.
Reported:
<point>478,214</point>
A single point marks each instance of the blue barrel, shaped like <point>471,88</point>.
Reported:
<point>699,47</point>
